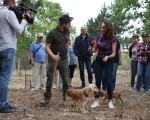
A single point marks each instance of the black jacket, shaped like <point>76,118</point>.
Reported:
<point>81,45</point>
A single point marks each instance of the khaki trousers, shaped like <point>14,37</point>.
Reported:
<point>38,75</point>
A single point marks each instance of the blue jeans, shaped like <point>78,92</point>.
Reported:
<point>115,67</point>
<point>6,67</point>
<point>87,61</point>
<point>143,70</point>
<point>107,67</point>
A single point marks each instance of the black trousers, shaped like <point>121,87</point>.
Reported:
<point>133,71</point>
<point>71,70</point>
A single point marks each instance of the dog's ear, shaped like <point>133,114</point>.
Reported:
<point>101,94</point>
<point>89,91</point>
<point>105,94</point>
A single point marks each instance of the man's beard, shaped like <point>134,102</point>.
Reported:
<point>65,29</point>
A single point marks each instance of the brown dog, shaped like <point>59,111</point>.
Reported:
<point>79,97</point>
<point>116,95</point>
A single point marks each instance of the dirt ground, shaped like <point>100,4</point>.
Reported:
<point>136,106</point>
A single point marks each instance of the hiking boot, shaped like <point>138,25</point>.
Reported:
<point>45,101</point>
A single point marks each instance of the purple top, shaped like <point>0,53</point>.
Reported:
<point>104,45</point>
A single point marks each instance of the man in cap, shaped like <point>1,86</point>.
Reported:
<point>57,42</point>
<point>38,62</point>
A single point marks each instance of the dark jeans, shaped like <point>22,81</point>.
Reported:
<point>107,67</point>
<point>103,81</point>
<point>115,67</point>
<point>134,65</point>
<point>62,66</point>
<point>71,70</point>
<point>87,61</point>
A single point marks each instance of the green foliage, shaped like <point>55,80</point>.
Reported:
<point>94,24</point>
<point>45,19</point>
<point>146,21</point>
<point>125,11</point>
<point>125,61</point>
<point>123,14</point>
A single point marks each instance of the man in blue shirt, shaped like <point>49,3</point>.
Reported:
<point>38,62</point>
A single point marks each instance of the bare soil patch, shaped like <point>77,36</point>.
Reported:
<point>136,106</point>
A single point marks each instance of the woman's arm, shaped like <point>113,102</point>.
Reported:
<point>114,45</point>
<point>120,57</point>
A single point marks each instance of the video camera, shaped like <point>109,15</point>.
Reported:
<point>21,9</point>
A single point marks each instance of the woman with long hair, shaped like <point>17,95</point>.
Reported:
<point>106,47</point>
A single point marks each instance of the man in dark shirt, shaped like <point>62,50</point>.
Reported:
<point>82,46</point>
<point>56,42</point>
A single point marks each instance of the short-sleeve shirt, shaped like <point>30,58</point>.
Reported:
<point>105,45</point>
<point>58,41</point>
<point>40,55</point>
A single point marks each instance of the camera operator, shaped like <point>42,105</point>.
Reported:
<point>9,26</point>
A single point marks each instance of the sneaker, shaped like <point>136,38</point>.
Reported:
<point>42,88</point>
<point>136,91</point>
<point>95,104</point>
<point>131,89</point>
<point>145,92</point>
<point>32,89</point>
<point>111,106</point>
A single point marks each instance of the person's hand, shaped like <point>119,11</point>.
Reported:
<point>105,59</point>
<point>142,51</point>
<point>56,57</point>
<point>120,62</point>
<point>89,48</point>
<point>26,14</point>
<point>32,63</point>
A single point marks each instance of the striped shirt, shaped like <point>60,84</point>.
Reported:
<point>9,26</point>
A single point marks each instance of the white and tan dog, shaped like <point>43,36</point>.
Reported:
<point>79,97</point>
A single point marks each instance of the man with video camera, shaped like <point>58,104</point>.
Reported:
<point>9,26</point>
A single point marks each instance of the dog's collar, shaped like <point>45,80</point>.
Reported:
<point>86,95</point>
